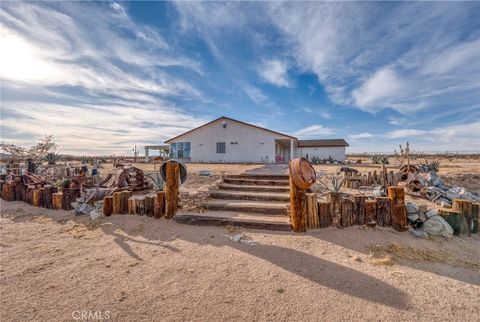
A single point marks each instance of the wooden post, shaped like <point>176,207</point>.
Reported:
<point>37,198</point>
<point>125,195</point>
<point>335,208</point>
<point>8,192</point>
<point>149,205</point>
<point>384,211</point>
<point>69,195</point>
<point>475,217</point>
<point>370,212</point>
<point>117,202</point>
<point>160,205</point>
<point>465,210</point>
<point>324,214</point>
<point>369,178</point>
<point>171,188</point>
<point>358,210</point>
<point>453,219</point>
<point>298,214</point>
<point>20,189</point>
<point>57,200</point>
<point>312,211</point>
<point>108,206</point>
<point>140,206</point>
<point>398,212</point>
<point>29,196</point>
<point>347,212</point>
<point>375,177</point>
<point>47,196</point>
<point>131,205</point>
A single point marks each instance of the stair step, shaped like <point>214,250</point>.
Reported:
<point>233,187</point>
<point>258,176</point>
<point>279,222</point>
<point>252,207</point>
<point>241,195</point>
<point>250,182</point>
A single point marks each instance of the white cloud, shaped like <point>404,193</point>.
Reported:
<point>317,111</point>
<point>275,72</point>
<point>364,135</point>
<point>255,94</point>
<point>314,130</point>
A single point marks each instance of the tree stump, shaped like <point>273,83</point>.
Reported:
<point>107,206</point>
<point>347,212</point>
<point>335,208</point>
<point>117,202</point>
<point>324,214</point>
<point>57,200</point>
<point>465,210</point>
<point>358,210</point>
<point>20,190</point>
<point>160,205</point>
<point>370,212</point>
<point>69,195</point>
<point>384,208</point>
<point>47,196</point>
<point>312,211</point>
<point>172,173</point>
<point>149,206</point>
<point>125,195</point>
<point>131,205</point>
<point>37,198</point>
<point>398,212</point>
<point>140,206</point>
<point>298,214</point>
<point>29,196</point>
<point>8,191</point>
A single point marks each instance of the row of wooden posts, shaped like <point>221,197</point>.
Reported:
<point>341,210</point>
<point>383,178</point>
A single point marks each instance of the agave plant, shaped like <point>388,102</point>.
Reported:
<point>156,179</point>
<point>53,157</point>
<point>336,184</point>
<point>433,165</point>
<point>379,159</point>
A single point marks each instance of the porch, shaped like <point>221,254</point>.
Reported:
<point>284,150</point>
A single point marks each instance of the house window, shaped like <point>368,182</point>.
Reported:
<point>180,150</point>
<point>220,147</point>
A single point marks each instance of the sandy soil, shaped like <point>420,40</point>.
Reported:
<point>55,265</point>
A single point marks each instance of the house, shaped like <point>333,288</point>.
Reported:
<point>232,141</point>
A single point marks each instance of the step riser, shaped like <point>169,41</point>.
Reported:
<point>219,195</point>
<point>258,177</point>
<point>273,189</point>
<point>250,210</point>
<point>256,182</point>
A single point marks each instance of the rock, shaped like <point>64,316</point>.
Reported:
<point>437,226</point>
<point>413,217</point>
<point>431,212</point>
<point>411,207</point>
<point>418,233</point>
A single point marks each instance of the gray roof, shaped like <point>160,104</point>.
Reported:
<point>322,143</point>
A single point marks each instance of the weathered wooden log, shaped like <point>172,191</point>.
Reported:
<point>117,202</point>
<point>149,206</point>
<point>108,206</point>
<point>172,173</point>
<point>370,212</point>
<point>8,192</point>
<point>312,211</point>
<point>324,214</point>
<point>125,195</point>
<point>37,198</point>
<point>160,205</point>
<point>1,188</point>
<point>347,212</point>
<point>57,200</point>
<point>20,190</point>
<point>335,209</point>
<point>131,206</point>
<point>475,217</point>
<point>47,196</point>
<point>69,195</point>
<point>384,207</point>
<point>375,176</point>
<point>358,210</point>
<point>398,211</point>
<point>298,214</point>
<point>390,178</point>
<point>369,178</point>
<point>465,210</point>
<point>140,206</point>
<point>452,218</point>
<point>29,196</point>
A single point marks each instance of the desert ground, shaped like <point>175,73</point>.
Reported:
<point>54,266</point>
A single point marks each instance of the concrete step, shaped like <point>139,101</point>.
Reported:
<point>271,222</point>
<point>251,182</point>
<point>251,207</point>
<point>234,187</point>
<point>242,195</point>
<point>258,176</point>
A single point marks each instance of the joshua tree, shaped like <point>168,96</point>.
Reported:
<point>35,152</point>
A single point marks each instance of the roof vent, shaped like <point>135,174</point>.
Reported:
<point>224,124</point>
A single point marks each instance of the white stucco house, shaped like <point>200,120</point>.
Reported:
<point>226,140</point>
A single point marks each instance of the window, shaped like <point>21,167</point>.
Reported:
<point>220,147</point>
<point>180,150</point>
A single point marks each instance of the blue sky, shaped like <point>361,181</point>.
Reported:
<point>102,76</point>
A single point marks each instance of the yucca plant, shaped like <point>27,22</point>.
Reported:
<point>379,159</point>
<point>52,157</point>
<point>433,165</point>
<point>157,180</point>
<point>336,184</point>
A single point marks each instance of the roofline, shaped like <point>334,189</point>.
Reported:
<point>229,118</point>
<point>314,146</point>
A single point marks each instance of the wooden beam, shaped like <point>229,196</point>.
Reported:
<point>335,209</point>
<point>160,205</point>
<point>108,206</point>
<point>398,211</point>
<point>384,211</point>
<point>171,188</point>
<point>298,213</point>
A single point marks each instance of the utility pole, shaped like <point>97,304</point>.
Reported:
<point>135,153</point>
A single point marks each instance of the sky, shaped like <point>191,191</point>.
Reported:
<point>104,76</point>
